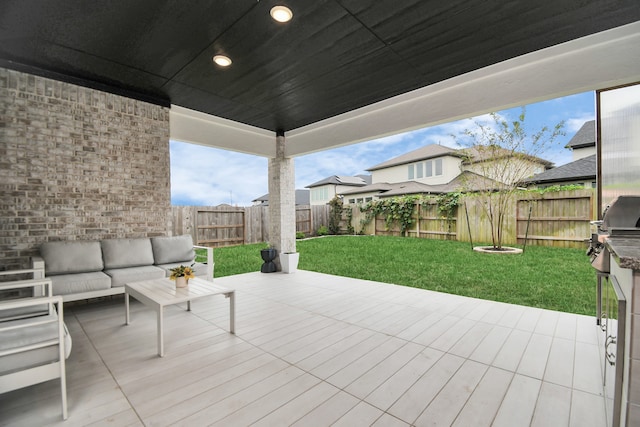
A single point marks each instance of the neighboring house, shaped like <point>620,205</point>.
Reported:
<point>432,164</point>
<point>367,193</point>
<point>581,171</point>
<point>502,165</point>
<point>583,143</point>
<point>436,169</point>
<point>302,199</point>
<point>382,190</point>
<point>326,189</point>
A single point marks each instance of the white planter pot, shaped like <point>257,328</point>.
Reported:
<point>289,262</point>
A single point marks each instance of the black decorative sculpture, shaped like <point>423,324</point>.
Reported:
<point>268,255</point>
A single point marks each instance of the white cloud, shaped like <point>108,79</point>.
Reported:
<point>573,124</point>
<point>208,176</point>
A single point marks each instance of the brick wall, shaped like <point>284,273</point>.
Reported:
<point>78,164</point>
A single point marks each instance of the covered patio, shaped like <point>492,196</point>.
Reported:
<point>90,98</point>
<point>315,350</point>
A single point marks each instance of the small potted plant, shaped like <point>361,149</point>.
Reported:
<point>182,274</point>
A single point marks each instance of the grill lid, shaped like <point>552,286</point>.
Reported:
<point>622,212</point>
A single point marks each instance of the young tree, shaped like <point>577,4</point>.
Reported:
<point>500,155</point>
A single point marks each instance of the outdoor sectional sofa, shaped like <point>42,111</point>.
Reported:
<point>88,269</point>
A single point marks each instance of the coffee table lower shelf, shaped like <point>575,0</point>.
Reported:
<point>159,293</point>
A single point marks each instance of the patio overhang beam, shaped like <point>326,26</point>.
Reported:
<point>597,61</point>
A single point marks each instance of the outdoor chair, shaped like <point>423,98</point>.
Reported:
<point>34,341</point>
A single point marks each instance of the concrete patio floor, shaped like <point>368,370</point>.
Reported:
<point>317,350</point>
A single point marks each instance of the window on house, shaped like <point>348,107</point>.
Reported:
<point>320,194</point>
<point>418,170</point>
<point>410,172</point>
<point>352,201</point>
<point>429,168</point>
<point>438,167</point>
<point>368,199</point>
<point>360,200</point>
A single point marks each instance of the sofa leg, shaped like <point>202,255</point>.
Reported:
<point>63,392</point>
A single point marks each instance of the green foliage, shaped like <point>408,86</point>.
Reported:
<point>300,235</point>
<point>337,208</point>
<point>335,215</point>
<point>348,210</point>
<point>395,210</point>
<point>322,231</point>
<point>448,203</point>
<point>556,188</point>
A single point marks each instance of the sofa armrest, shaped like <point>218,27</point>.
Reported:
<point>26,337</point>
<point>210,261</point>
<point>36,272</point>
<point>43,284</point>
<point>37,264</point>
<point>41,287</point>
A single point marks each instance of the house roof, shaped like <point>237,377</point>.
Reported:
<point>467,180</point>
<point>584,168</point>
<point>426,152</point>
<point>377,187</point>
<point>486,153</point>
<point>425,62</point>
<point>302,198</point>
<point>431,151</point>
<point>585,137</point>
<point>354,181</point>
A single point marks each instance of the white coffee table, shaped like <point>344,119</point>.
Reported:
<point>159,293</point>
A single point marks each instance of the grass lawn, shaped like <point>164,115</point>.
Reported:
<point>552,278</point>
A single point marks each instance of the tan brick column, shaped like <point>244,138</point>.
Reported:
<point>282,201</point>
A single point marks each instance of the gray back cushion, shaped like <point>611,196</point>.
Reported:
<point>173,249</point>
<point>71,257</point>
<point>122,253</point>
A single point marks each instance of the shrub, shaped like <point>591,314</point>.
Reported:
<point>322,231</point>
<point>300,235</point>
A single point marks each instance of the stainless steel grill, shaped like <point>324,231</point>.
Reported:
<point>621,218</point>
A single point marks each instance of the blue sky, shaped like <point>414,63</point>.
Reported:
<point>207,176</point>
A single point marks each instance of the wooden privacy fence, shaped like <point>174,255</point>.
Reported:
<point>560,219</point>
<point>226,225</point>
<point>428,223</point>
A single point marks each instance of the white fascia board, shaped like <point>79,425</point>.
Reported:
<point>204,129</point>
<point>597,61</point>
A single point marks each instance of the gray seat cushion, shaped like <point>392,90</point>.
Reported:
<point>14,338</point>
<point>121,276</point>
<point>71,257</point>
<point>124,253</point>
<point>64,284</point>
<point>177,249</point>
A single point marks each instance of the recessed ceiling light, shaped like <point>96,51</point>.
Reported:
<point>221,60</point>
<point>281,13</point>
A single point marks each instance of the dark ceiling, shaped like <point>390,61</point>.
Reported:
<point>333,57</point>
